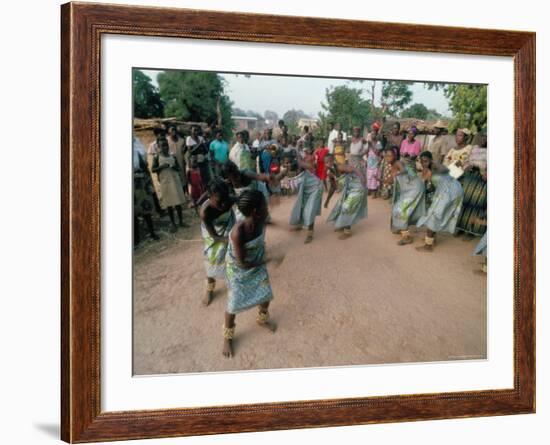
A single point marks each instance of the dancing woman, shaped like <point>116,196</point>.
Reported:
<point>308,201</point>
<point>446,204</point>
<point>408,198</point>
<point>246,272</point>
<point>352,205</point>
<point>217,219</point>
<point>244,180</point>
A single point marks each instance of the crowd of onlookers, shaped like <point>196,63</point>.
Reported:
<point>174,171</point>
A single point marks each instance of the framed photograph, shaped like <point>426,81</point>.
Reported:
<point>276,222</point>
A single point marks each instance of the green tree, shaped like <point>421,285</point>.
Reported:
<point>196,96</point>
<point>418,111</point>
<point>468,104</point>
<point>345,105</point>
<point>293,116</point>
<point>396,95</point>
<point>147,102</point>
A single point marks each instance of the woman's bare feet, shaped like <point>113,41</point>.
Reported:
<point>425,248</point>
<point>270,325</point>
<point>227,348</point>
<point>228,334</point>
<point>208,297</point>
<point>344,235</point>
<point>405,241</point>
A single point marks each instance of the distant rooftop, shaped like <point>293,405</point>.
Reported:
<point>245,118</point>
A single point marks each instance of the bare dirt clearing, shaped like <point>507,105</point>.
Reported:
<point>363,300</point>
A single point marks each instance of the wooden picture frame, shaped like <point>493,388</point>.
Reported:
<point>82,26</point>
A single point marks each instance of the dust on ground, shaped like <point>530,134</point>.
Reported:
<point>363,300</point>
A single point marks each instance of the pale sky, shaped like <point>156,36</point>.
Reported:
<point>282,93</point>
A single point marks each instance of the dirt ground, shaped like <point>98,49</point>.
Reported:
<point>363,300</point>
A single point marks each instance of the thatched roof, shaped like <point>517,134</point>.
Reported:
<point>424,127</point>
<point>150,124</point>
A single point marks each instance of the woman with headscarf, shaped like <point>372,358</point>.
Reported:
<point>446,204</point>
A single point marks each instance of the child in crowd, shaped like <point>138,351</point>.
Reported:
<point>288,172</point>
<point>247,276</point>
<point>217,219</point>
<point>385,175</point>
<point>373,166</point>
<point>320,168</point>
<point>332,175</point>
<point>340,149</point>
<point>309,158</point>
<point>194,179</point>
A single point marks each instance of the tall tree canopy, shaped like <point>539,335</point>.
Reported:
<point>420,111</point>
<point>291,118</point>
<point>147,102</point>
<point>346,106</point>
<point>396,95</point>
<point>196,96</point>
<point>469,106</point>
<point>468,103</point>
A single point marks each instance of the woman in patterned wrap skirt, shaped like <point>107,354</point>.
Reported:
<point>408,198</point>
<point>217,219</point>
<point>308,201</point>
<point>446,205</point>
<point>246,271</point>
<point>352,205</point>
